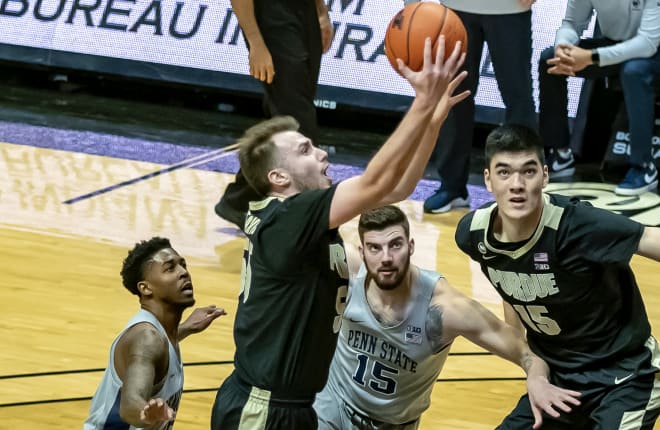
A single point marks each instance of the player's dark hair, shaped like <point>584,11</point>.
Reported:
<point>132,270</point>
<point>381,218</point>
<point>258,153</point>
<point>513,138</point>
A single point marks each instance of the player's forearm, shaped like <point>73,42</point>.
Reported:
<point>417,164</point>
<point>649,244</point>
<point>244,11</point>
<point>533,366</point>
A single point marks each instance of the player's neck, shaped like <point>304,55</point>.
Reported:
<point>391,307</point>
<point>283,194</point>
<point>516,230</point>
<point>167,317</point>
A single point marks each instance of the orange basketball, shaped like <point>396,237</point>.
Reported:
<point>409,28</point>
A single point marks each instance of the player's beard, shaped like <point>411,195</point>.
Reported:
<point>390,283</point>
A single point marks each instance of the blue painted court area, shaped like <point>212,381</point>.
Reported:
<point>171,156</point>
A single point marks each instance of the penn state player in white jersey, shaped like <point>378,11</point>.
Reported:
<point>397,328</point>
<point>143,382</point>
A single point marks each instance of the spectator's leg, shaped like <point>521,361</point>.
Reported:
<point>452,152</point>
<point>553,102</point>
<point>637,80</point>
<point>509,39</point>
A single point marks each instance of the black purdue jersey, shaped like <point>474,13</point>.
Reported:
<point>294,284</point>
<point>570,283</point>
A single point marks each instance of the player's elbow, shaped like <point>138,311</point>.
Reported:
<point>129,414</point>
<point>400,193</point>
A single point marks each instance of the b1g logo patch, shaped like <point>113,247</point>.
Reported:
<point>413,335</point>
<point>644,209</point>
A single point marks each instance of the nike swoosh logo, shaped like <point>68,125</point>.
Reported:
<point>488,257</point>
<point>617,381</point>
<point>650,178</point>
<point>354,321</point>
<point>560,166</point>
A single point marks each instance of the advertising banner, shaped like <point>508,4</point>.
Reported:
<point>199,42</point>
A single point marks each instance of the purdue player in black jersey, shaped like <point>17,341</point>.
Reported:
<point>563,269</point>
<point>295,275</point>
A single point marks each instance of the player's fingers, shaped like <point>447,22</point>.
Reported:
<point>403,68</point>
<point>460,62</point>
<point>256,72</point>
<point>562,405</point>
<point>572,396</point>
<point>550,410</point>
<point>454,60</point>
<point>459,97</point>
<point>538,417</point>
<point>440,49</point>
<point>456,82</point>
<point>428,49</point>
<point>270,73</point>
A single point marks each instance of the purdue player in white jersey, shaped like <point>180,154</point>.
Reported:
<point>397,328</point>
<point>143,382</point>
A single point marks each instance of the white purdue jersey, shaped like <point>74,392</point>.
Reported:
<point>104,410</point>
<point>386,373</point>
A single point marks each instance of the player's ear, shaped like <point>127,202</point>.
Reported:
<point>279,177</point>
<point>411,247</point>
<point>144,288</point>
<point>487,180</point>
<point>546,176</point>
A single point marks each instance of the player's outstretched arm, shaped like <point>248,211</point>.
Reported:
<point>649,244</point>
<point>421,157</point>
<point>390,163</point>
<point>199,320</point>
<point>141,361</point>
<point>462,316</point>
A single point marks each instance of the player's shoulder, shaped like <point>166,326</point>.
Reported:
<point>143,336</point>
<point>474,221</point>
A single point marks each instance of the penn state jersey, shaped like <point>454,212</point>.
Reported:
<point>294,284</point>
<point>391,370</point>
<point>570,283</point>
<point>104,409</point>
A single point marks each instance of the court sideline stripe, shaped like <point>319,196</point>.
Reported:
<point>191,162</point>
<point>100,369</point>
<point>205,390</point>
<point>196,363</point>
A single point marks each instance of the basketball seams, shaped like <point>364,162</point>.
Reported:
<point>410,26</point>
<point>442,25</point>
